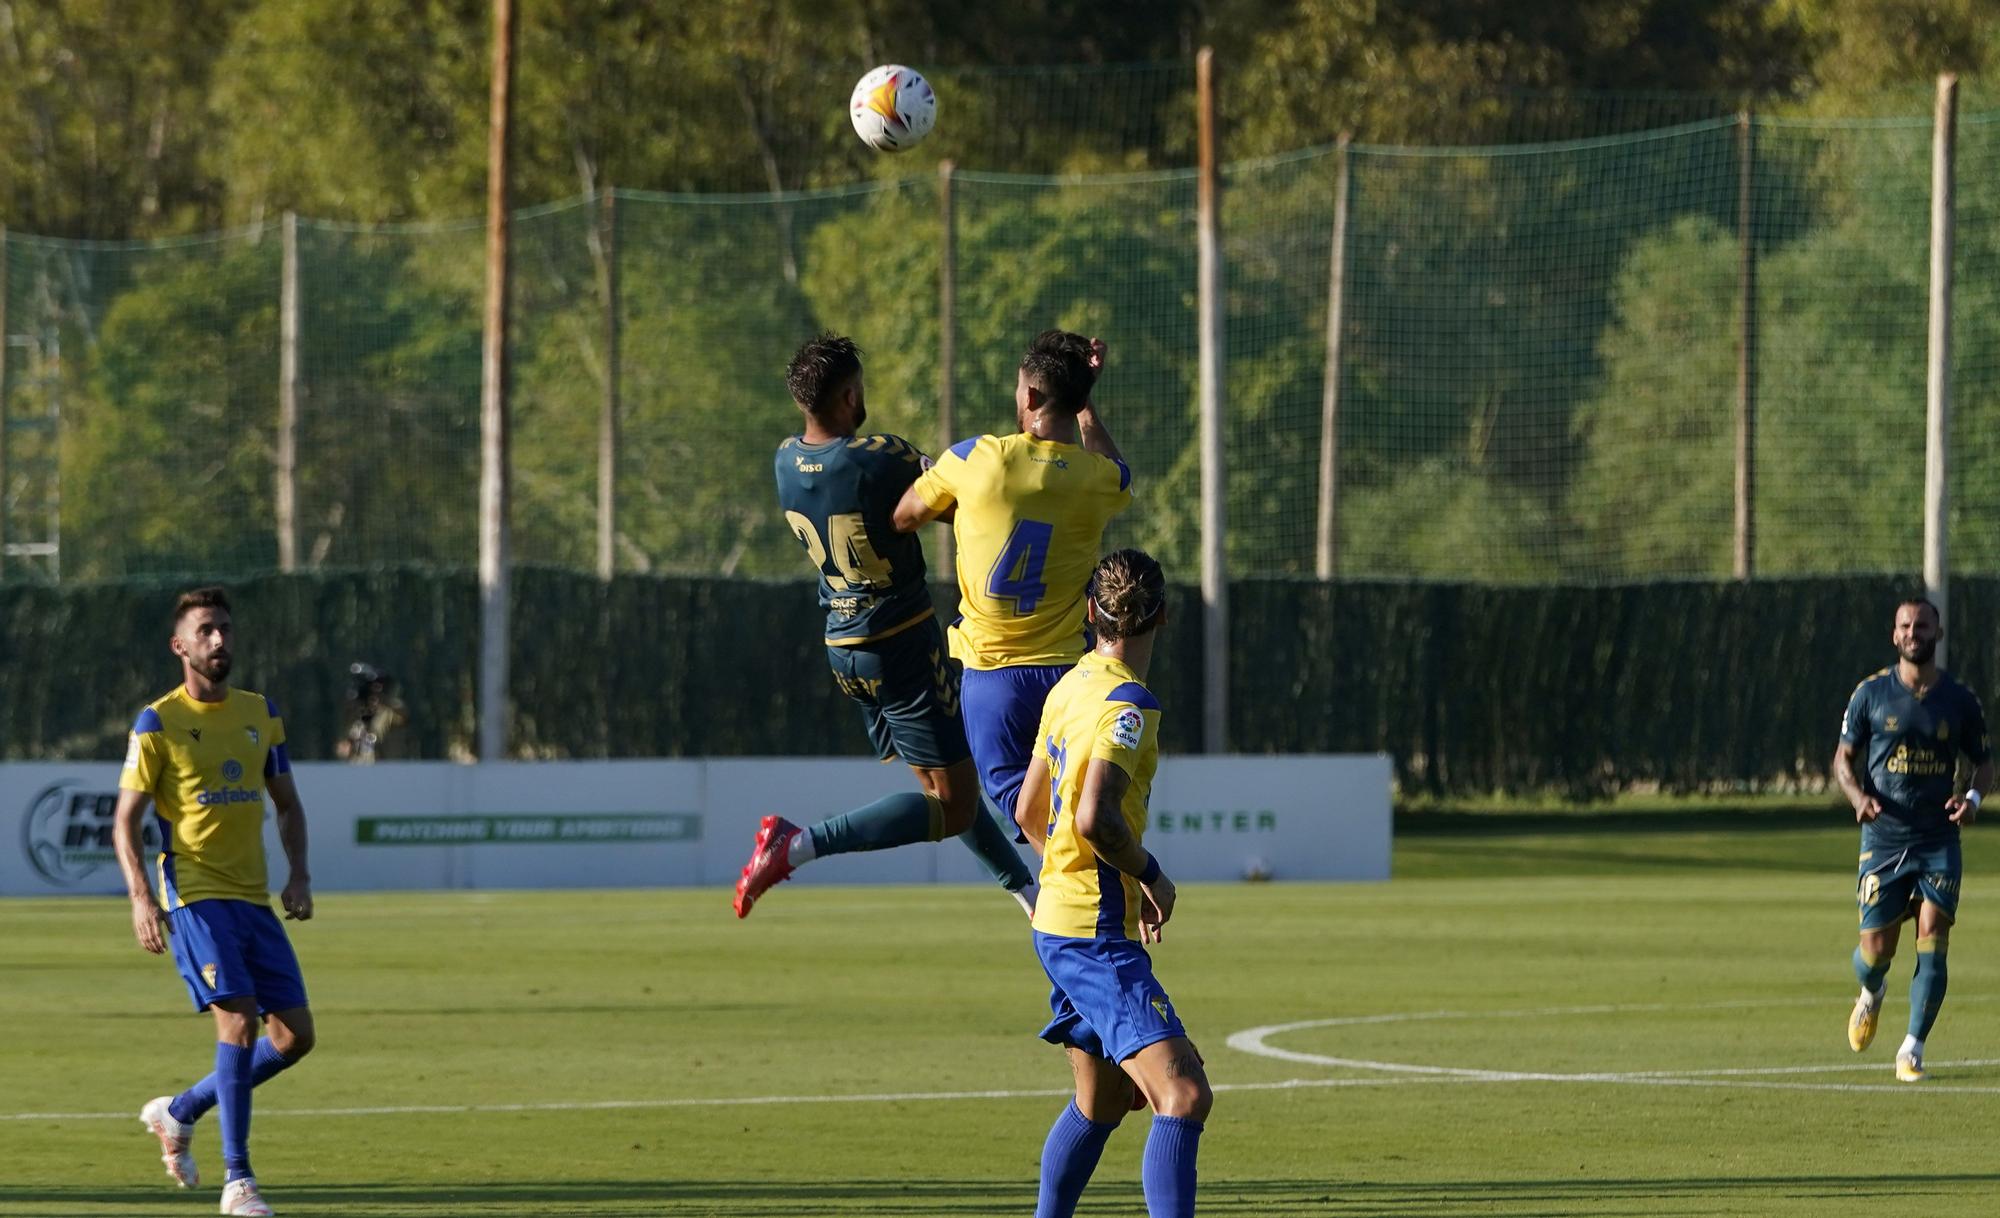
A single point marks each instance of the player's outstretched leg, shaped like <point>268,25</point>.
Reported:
<point>176,1140</point>
<point>782,847</point>
<point>1871,966</point>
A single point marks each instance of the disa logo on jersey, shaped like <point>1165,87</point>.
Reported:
<point>67,832</point>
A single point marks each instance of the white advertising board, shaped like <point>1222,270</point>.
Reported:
<point>622,824</point>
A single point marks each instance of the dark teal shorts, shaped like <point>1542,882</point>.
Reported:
<point>1896,880</point>
<point>907,687</point>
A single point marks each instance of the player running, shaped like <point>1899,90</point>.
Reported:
<point>1913,720</point>
<point>204,755</point>
<point>1083,804</point>
<point>839,491</point>
<point>1030,511</point>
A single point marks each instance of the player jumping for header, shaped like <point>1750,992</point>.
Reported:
<point>1030,512</point>
<point>839,490</point>
<point>204,755</point>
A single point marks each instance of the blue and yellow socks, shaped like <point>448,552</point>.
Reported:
<point>1068,1157</point>
<point>1167,1171</point>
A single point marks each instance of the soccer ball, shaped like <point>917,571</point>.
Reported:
<point>893,107</point>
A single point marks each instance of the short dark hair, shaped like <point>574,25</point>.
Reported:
<point>1129,590</point>
<point>819,368</point>
<point>211,597</point>
<point>1918,598</point>
<point>1058,364</point>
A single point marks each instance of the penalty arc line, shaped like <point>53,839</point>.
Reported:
<point>1255,1041</point>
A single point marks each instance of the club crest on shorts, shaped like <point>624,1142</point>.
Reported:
<point>1163,1009</point>
<point>208,975</point>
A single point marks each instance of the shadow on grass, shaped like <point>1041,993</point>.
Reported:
<point>1690,1195</point>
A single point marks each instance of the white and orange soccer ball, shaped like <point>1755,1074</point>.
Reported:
<point>893,108</point>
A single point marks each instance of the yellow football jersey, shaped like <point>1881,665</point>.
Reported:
<point>1030,524</point>
<point>204,764</point>
<point>1099,710</point>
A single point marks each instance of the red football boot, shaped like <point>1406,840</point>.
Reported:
<point>768,865</point>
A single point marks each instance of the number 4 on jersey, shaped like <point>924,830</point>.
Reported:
<point>1017,573</point>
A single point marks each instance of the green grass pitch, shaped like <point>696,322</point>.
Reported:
<point>1589,985</point>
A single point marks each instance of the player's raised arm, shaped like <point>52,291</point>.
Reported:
<point>1091,431</point>
<point>913,512</point>
<point>127,833</point>
<point>934,495</point>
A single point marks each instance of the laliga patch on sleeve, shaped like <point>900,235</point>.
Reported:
<point>1127,728</point>
<point>132,752</point>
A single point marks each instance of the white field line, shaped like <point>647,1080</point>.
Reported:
<point>1256,1041</point>
<point>887,1097</point>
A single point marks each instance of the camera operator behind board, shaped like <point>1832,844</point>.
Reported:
<point>371,712</point>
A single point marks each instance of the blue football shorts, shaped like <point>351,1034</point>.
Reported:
<point>235,949</point>
<point>1003,710</point>
<point>1105,998</point>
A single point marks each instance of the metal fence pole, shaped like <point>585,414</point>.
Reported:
<point>947,342</point>
<point>6,473</point>
<point>494,471</point>
<point>1214,486</point>
<point>1326,551</point>
<point>288,398</point>
<point>1937,491</point>
<point>607,415</point>
<point>1746,350</point>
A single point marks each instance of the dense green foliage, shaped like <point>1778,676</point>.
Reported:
<point>1539,345</point>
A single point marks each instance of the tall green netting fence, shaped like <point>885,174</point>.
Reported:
<point>1537,382</point>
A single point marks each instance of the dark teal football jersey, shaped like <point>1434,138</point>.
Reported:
<point>840,500</point>
<point>1912,750</point>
